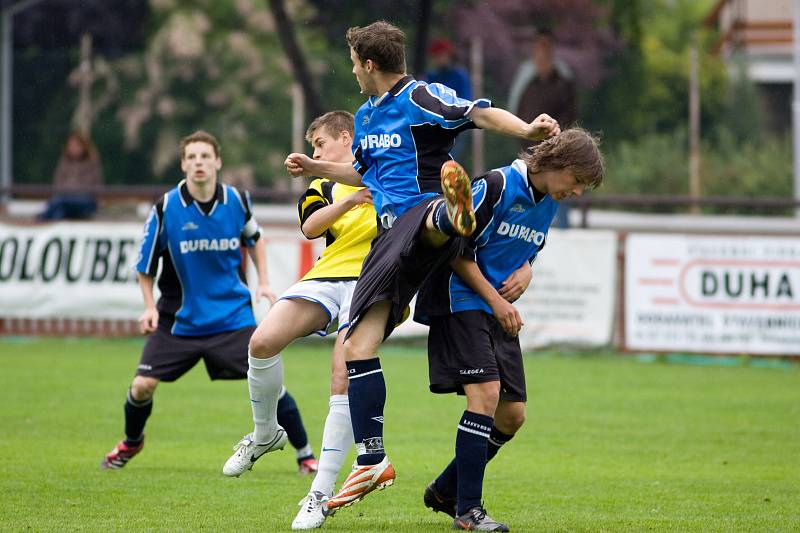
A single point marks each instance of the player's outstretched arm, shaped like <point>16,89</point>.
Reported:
<point>320,220</point>
<point>504,312</point>
<point>517,283</point>
<point>501,121</point>
<point>148,322</point>
<point>258,254</point>
<point>300,165</point>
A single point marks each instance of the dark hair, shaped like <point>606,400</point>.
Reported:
<point>380,42</point>
<point>89,149</point>
<point>575,150</point>
<point>333,122</point>
<point>543,33</point>
<point>200,136</point>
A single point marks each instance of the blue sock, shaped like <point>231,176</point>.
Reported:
<point>367,396</point>
<point>447,482</point>
<point>136,414</point>
<point>290,420</point>
<point>441,221</point>
<point>471,443</point>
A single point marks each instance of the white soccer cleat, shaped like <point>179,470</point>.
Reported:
<point>362,480</point>
<point>312,513</point>
<point>248,452</point>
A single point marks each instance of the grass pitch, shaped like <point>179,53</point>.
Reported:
<point>611,444</point>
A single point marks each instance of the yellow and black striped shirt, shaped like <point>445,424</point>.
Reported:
<point>347,240</point>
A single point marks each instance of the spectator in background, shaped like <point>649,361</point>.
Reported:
<point>441,53</point>
<point>78,172</point>
<point>544,84</point>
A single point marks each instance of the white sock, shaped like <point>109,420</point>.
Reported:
<point>265,379</point>
<point>337,437</point>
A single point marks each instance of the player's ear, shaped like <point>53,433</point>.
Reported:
<point>184,164</point>
<point>345,137</point>
<point>218,163</point>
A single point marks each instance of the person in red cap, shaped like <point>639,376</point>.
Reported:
<point>442,55</point>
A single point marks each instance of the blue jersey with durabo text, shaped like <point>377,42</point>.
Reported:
<point>202,277</point>
<point>403,137</point>
<point>512,223</point>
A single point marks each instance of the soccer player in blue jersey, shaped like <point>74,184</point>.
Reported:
<point>205,311</point>
<point>473,348</point>
<point>404,133</point>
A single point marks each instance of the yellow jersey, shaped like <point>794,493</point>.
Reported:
<point>347,241</point>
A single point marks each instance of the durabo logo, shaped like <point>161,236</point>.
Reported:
<point>384,140</point>
<point>209,245</point>
<point>523,233</point>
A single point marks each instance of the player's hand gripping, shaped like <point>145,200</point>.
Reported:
<point>507,315</point>
<point>517,283</point>
<point>148,322</point>
<point>361,196</point>
<point>300,165</point>
<point>542,127</point>
<point>264,291</point>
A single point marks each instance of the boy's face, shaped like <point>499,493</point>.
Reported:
<point>200,163</point>
<point>363,73</point>
<point>330,148</point>
<point>561,184</point>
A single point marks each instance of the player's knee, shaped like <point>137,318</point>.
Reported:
<point>143,388</point>
<point>512,419</point>
<point>357,350</point>
<point>262,347</point>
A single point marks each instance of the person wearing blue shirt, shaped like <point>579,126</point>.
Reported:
<point>473,348</point>
<point>404,132</point>
<point>445,71</point>
<point>196,231</point>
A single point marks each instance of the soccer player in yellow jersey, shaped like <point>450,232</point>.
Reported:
<point>345,217</point>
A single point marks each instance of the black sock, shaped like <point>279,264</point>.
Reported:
<point>441,221</point>
<point>471,439</point>
<point>447,482</point>
<point>496,439</point>
<point>367,396</point>
<point>136,413</point>
<point>290,420</point>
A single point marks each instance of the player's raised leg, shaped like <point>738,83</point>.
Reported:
<point>285,322</point>
<point>367,393</point>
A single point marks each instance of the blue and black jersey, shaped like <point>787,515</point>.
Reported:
<point>403,137</point>
<point>512,223</point>
<point>202,280</point>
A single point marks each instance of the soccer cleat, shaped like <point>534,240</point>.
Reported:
<point>476,519</point>
<point>438,503</point>
<point>457,191</point>
<point>248,452</point>
<point>312,511</point>
<point>309,465</point>
<point>120,455</point>
<point>362,480</point>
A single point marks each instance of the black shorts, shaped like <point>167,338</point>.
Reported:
<point>472,347</point>
<point>397,264</point>
<point>168,357</point>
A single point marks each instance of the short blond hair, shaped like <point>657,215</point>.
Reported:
<point>333,122</point>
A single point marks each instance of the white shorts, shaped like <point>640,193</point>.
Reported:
<point>333,296</point>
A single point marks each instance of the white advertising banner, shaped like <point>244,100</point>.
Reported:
<point>571,298</point>
<point>717,294</point>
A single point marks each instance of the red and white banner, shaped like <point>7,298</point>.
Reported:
<point>712,294</point>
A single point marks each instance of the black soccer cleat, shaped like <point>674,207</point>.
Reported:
<point>476,519</point>
<point>438,503</point>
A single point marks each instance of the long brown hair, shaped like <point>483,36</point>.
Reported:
<point>89,149</point>
<point>575,150</point>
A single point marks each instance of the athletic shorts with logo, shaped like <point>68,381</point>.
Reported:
<point>333,296</point>
<point>168,357</point>
<point>472,347</point>
<point>397,265</point>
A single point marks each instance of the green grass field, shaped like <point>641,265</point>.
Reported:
<point>611,444</point>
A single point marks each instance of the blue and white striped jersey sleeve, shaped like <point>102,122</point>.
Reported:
<point>439,104</point>
<point>152,242</point>
<point>487,196</point>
